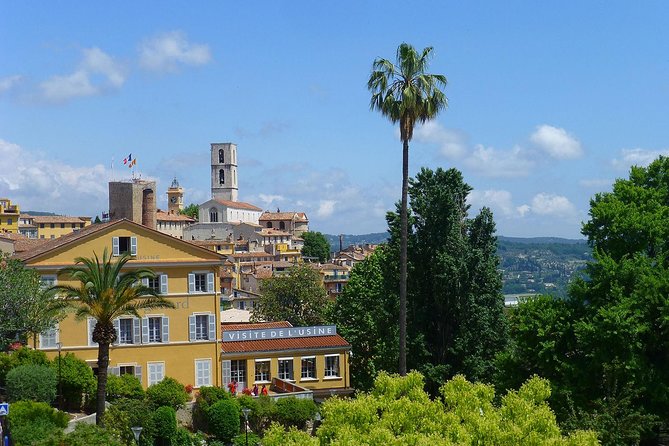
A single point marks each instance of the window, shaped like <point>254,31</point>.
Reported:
<point>126,370</point>
<point>286,368</point>
<point>62,225</point>
<point>9,221</point>
<point>125,331</point>
<point>41,225</point>
<point>155,329</point>
<point>332,366</point>
<point>238,370</point>
<point>221,158</point>
<point>269,224</point>
<point>81,225</point>
<point>157,284</point>
<point>52,236</point>
<point>156,372</point>
<point>52,225</point>
<point>221,176</point>
<point>47,281</point>
<point>49,339</point>
<point>262,370</point>
<point>202,372</point>
<point>201,282</point>
<point>202,327</point>
<point>41,236</point>
<point>74,225</point>
<point>309,367</point>
<point>242,305</point>
<point>123,245</point>
<point>282,225</point>
<point>213,215</point>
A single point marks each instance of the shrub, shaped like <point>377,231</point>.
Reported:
<point>124,386</point>
<point>183,437</point>
<point>77,380</point>
<point>240,440</point>
<point>262,412</point>
<point>85,434</point>
<point>126,413</point>
<point>7,362</point>
<point>168,392</point>
<point>296,412</point>
<point>165,420</point>
<point>26,355</point>
<point>36,423</point>
<point>223,419</point>
<point>207,396</point>
<point>31,382</point>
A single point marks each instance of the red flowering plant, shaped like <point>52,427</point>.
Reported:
<point>189,388</point>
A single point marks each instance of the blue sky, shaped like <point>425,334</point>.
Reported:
<point>548,103</point>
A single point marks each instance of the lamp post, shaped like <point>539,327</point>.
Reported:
<point>60,382</point>
<point>137,431</point>
<point>246,411</point>
<point>317,421</point>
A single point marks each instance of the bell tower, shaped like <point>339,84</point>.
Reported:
<point>224,171</point>
<point>175,198</point>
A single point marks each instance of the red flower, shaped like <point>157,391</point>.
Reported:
<point>189,388</point>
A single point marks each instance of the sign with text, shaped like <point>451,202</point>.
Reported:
<point>279,333</point>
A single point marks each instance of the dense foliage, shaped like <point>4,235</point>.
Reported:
<point>124,386</point>
<point>168,392</point>
<point>35,423</point>
<point>32,382</point>
<point>165,420</point>
<point>89,434</point>
<point>192,210</point>
<point>316,245</point>
<point>297,297</point>
<point>293,411</point>
<point>76,380</point>
<point>223,417</point>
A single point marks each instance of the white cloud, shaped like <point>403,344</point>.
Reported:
<point>9,82</point>
<point>326,208</point>
<point>36,182</point>
<point>491,162</point>
<point>556,142</point>
<point>167,51</point>
<point>550,204</point>
<point>83,81</point>
<point>637,157</point>
<point>451,143</point>
<point>500,201</point>
<point>523,210</point>
<point>267,199</point>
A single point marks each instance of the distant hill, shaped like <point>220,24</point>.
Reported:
<point>37,213</point>
<point>374,238</point>
<point>541,240</point>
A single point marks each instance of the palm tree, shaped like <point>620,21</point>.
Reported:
<point>105,293</point>
<point>404,93</point>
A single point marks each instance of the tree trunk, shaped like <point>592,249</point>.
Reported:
<point>403,258</point>
<point>103,365</point>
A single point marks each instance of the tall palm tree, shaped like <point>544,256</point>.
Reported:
<point>105,293</point>
<point>404,93</point>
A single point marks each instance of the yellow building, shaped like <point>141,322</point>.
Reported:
<point>54,226</point>
<point>182,342</point>
<point>285,358</point>
<point>9,216</point>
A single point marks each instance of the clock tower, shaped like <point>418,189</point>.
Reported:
<point>175,198</point>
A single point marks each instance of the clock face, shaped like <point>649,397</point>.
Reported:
<point>173,199</point>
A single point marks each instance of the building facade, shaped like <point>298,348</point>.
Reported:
<point>134,200</point>
<point>9,216</point>
<point>175,198</point>
<point>296,223</point>
<point>182,342</point>
<point>224,211</point>
<point>54,226</point>
<point>224,171</point>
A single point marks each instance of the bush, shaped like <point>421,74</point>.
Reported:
<point>183,437</point>
<point>124,386</point>
<point>165,420</point>
<point>168,392</point>
<point>31,382</point>
<point>77,380</point>
<point>207,396</point>
<point>262,413</point>
<point>126,413</point>
<point>223,419</point>
<point>26,355</point>
<point>85,434</point>
<point>240,440</point>
<point>36,423</point>
<point>7,362</point>
<point>296,412</point>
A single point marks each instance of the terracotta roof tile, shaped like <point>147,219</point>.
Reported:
<point>37,219</point>
<point>275,216</point>
<point>238,205</point>
<point>257,326</point>
<point>166,216</point>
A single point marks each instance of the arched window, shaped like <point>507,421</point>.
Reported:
<point>221,176</point>
<point>269,224</point>
<point>213,215</point>
<point>282,225</point>
<point>220,156</point>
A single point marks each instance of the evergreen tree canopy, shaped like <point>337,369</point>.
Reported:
<point>316,245</point>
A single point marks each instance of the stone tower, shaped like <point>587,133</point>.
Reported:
<point>224,171</point>
<point>134,200</point>
<point>175,197</point>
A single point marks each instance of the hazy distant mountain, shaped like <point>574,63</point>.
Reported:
<point>541,240</point>
<point>349,239</point>
<point>37,213</point>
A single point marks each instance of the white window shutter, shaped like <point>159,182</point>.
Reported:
<point>212,327</point>
<point>133,246</point>
<point>227,372</point>
<point>116,371</point>
<point>145,330</point>
<point>117,328</point>
<point>145,281</point>
<point>138,373</point>
<point>137,333</point>
<point>166,330</point>
<point>191,327</point>
<point>163,284</point>
<point>210,282</point>
<point>115,248</point>
<point>191,282</point>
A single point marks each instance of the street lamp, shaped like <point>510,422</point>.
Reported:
<point>60,382</point>
<point>246,412</point>
<point>317,421</point>
<point>137,431</point>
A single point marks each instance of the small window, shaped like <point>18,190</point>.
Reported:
<point>286,368</point>
<point>81,225</point>
<point>126,370</point>
<point>74,225</point>
<point>309,367</point>
<point>269,224</point>
<point>47,281</point>
<point>123,245</point>
<point>221,176</point>
<point>9,221</point>
<point>156,372</point>
<point>53,225</point>
<point>62,225</point>
<point>202,372</point>
<point>41,225</point>
<point>332,366</point>
<point>49,339</point>
<point>238,370</point>
<point>201,282</point>
<point>125,331</point>
<point>155,329</point>
<point>41,236</point>
<point>52,236</point>
<point>221,158</point>
<point>201,327</point>
<point>262,370</point>
<point>282,225</point>
<point>213,215</point>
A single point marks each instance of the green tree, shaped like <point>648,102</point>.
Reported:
<point>105,293</point>
<point>192,210</point>
<point>297,297</point>
<point>405,94</point>
<point>316,245</point>
<point>366,315</point>
<point>76,380</point>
